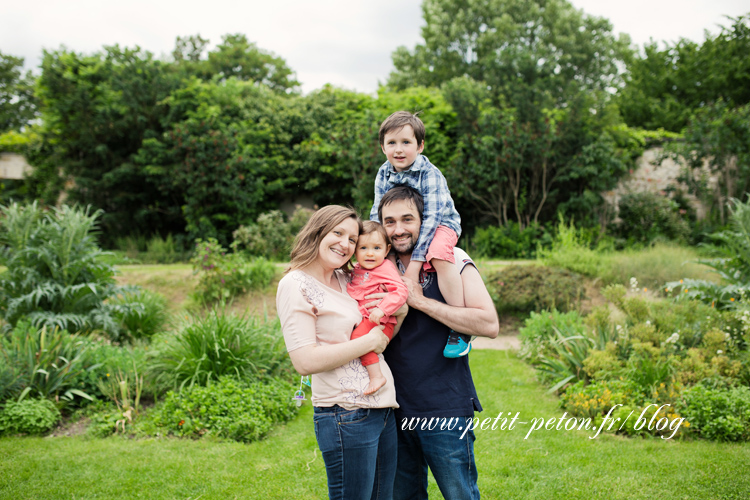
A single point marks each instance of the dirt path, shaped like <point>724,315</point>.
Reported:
<point>501,343</point>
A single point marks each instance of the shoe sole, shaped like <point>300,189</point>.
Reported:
<point>461,354</point>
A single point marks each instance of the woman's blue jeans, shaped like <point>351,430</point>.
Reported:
<point>360,449</point>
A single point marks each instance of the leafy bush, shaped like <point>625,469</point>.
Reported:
<point>510,241</point>
<point>155,250</point>
<point>272,235</point>
<point>29,416</point>
<point>225,275</point>
<point>540,329</point>
<point>48,363</point>
<point>571,250</point>
<point>227,408</point>
<point>204,349</point>
<point>733,267</point>
<point>103,362</point>
<point>535,288</point>
<point>647,368</point>
<point>646,217</point>
<point>142,313</point>
<point>10,380</point>
<point>595,399</point>
<point>56,274</point>
<point>721,414</point>
<point>261,273</point>
<point>563,361</point>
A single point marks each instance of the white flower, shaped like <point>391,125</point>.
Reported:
<point>719,351</point>
<point>648,321</point>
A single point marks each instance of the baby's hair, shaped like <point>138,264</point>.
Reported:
<point>399,120</point>
<point>370,226</point>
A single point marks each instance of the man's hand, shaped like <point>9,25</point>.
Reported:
<point>416,294</point>
<point>375,299</point>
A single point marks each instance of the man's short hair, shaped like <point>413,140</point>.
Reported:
<point>401,192</point>
<point>399,120</point>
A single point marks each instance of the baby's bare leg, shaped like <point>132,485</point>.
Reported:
<point>449,282</point>
<point>377,380</point>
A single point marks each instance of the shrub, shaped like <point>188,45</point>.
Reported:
<point>48,363</point>
<point>142,313</point>
<point>603,365</point>
<point>572,251</point>
<point>56,274</point>
<point>271,236</point>
<point>722,414</point>
<point>227,408</point>
<point>225,275</point>
<point>261,273</point>
<point>595,399</point>
<point>563,362</point>
<point>155,250</point>
<point>510,241</point>
<point>733,266</point>
<point>103,362</point>
<point>29,416</point>
<point>646,217</point>
<point>647,368</point>
<point>541,328</point>
<point>535,288</point>
<point>204,349</point>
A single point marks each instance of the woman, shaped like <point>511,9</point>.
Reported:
<point>356,433</point>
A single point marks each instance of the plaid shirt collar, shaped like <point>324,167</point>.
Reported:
<point>415,167</point>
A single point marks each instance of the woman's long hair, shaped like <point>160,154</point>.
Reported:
<point>306,245</point>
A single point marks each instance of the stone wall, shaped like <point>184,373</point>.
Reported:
<point>653,174</point>
<point>13,166</point>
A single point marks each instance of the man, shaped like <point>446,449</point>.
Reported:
<point>429,385</point>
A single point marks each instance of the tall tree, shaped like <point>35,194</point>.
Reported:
<point>544,48</point>
<point>236,57</point>
<point>530,81</point>
<point>665,86</point>
<point>17,101</point>
<point>96,110</point>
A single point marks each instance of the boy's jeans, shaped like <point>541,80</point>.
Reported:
<point>359,448</point>
<point>450,458</point>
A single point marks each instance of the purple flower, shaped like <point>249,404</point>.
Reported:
<point>222,281</point>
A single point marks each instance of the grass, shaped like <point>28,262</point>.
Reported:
<point>287,465</point>
<point>177,281</point>
<point>654,266</point>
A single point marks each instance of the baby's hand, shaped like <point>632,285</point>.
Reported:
<point>376,315</point>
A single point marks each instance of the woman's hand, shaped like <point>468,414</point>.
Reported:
<point>378,338</point>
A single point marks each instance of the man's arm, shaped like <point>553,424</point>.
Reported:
<point>479,317</point>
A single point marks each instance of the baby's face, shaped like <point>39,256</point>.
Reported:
<point>371,250</point>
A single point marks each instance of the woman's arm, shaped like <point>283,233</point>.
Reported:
<point>311,359</point>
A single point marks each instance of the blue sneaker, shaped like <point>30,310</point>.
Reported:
<point>458,345</point>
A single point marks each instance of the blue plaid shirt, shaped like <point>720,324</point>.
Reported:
<point>439,208</point>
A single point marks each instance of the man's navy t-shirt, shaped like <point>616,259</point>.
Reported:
<point>427,383</point>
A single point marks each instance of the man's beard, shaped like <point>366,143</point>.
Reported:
<point>407,248</point>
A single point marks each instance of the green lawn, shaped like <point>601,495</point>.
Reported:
<point>286,465</point>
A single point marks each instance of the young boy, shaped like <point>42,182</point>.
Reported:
<point>402,140</point>
<point>374,273</point>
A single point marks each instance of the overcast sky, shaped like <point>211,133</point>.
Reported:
<point>347,43</point>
